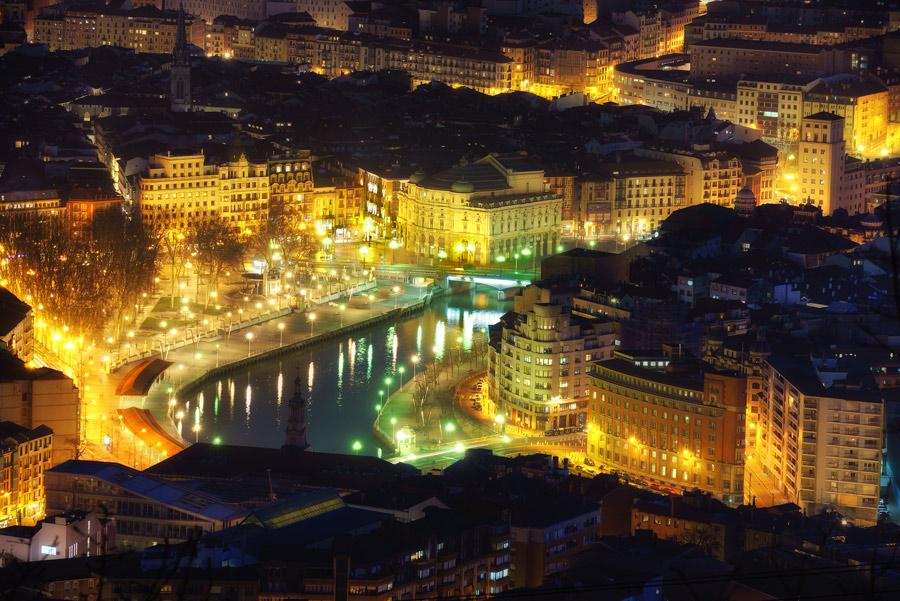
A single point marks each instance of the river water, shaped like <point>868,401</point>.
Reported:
<point>339,379</point>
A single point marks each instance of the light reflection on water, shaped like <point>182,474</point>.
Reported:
<point>343,378</point>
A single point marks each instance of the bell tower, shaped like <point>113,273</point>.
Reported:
<point>180,76</point>
<point>295,435</point>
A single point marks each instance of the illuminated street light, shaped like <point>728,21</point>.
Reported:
<point>249,337</point>
<point>281,334</point>
<point>312,323</point>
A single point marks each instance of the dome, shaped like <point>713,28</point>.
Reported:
<point>462,186</point>
<point>745,201</point>
<point>417,177</point>
<point>871,222</point>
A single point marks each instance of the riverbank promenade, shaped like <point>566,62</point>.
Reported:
<point>191,363</point>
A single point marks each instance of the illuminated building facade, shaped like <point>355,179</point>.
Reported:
<point>539,366</point>
<point>822,156</point>
<point>337,204</point>
<point>25,455</point>
<point>333,14</point>
<point>481,212</point>
<point>145,29</point>
<point>643,193</point>
<point>177,192</point>
<point>820,436</point>
<point>862,103</point>
<point>732,58</point>
<point>709,176</point>
<point>773,106</point>
<point>290,187</point>
<point>41,396</point>
<point>669,423</point>
<point>381,194</point>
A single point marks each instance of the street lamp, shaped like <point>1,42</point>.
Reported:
<point>401,370</point>
<point>357,446</point>
<point>249,337</point>
<point>364,251</point>
<point>342,307</point>
<point>312,323</point>
<point>196,429</point>
<point>526,252</point>
<point>449,428</point>
<point>281,334</point>
<point>387,382</point>
<point>415,361</point>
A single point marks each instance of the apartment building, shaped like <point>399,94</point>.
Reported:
<point>16,325</point>
<point>333,14</point>
<point>669,422</point>
<point>25,454</point>
<point>481,212</point>
<point>734,58</point>
<point>291,187</point>
<point>820,435</point>
<point>863,105</point>
<point>713,176</point>
<point>179,191</point>
<point>772,104</point>
<point>145,29</point>
<point>822,156</point>
<point>34,397</point>
<point>643,193</point>
<point>539,363</point>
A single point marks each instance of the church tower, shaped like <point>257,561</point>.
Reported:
<point>180,76</point>
<point>295,435</point>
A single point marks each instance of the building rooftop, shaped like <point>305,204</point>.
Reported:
<point>320,469</point>
<point>155,488</point>
<point>12,311</point>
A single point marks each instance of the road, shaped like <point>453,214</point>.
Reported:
<point>502,445</point>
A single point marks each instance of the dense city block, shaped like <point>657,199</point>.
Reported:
<point>388,300</point>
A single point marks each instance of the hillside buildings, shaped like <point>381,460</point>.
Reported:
<point>25,455</point>
<point>664,421</point>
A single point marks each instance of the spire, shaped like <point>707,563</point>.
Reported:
<point>180,54</point>
<point>295,435</point>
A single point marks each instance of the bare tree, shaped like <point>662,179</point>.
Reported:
<point>217,248</point>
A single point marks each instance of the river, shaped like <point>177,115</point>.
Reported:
<point>340,380</point>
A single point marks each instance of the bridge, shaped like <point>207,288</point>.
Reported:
<point>493,277</point>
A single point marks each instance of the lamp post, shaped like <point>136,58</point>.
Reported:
<point>312,324</point>
<point>401,370</point>
<point>364,251</point>
<point>196,429</point>
<point>415,361</point>
<point>387,382</point>
<point>449,427</point>
<point>394,428</point>
<point>526,252</point>
<point>341,308</point>
<point>281,334</point>
<point>249,337</point>
<point>516,257</point>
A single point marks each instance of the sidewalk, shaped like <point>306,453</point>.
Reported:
<point>440,421</point>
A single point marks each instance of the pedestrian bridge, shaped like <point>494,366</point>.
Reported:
<point>499,282</point>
